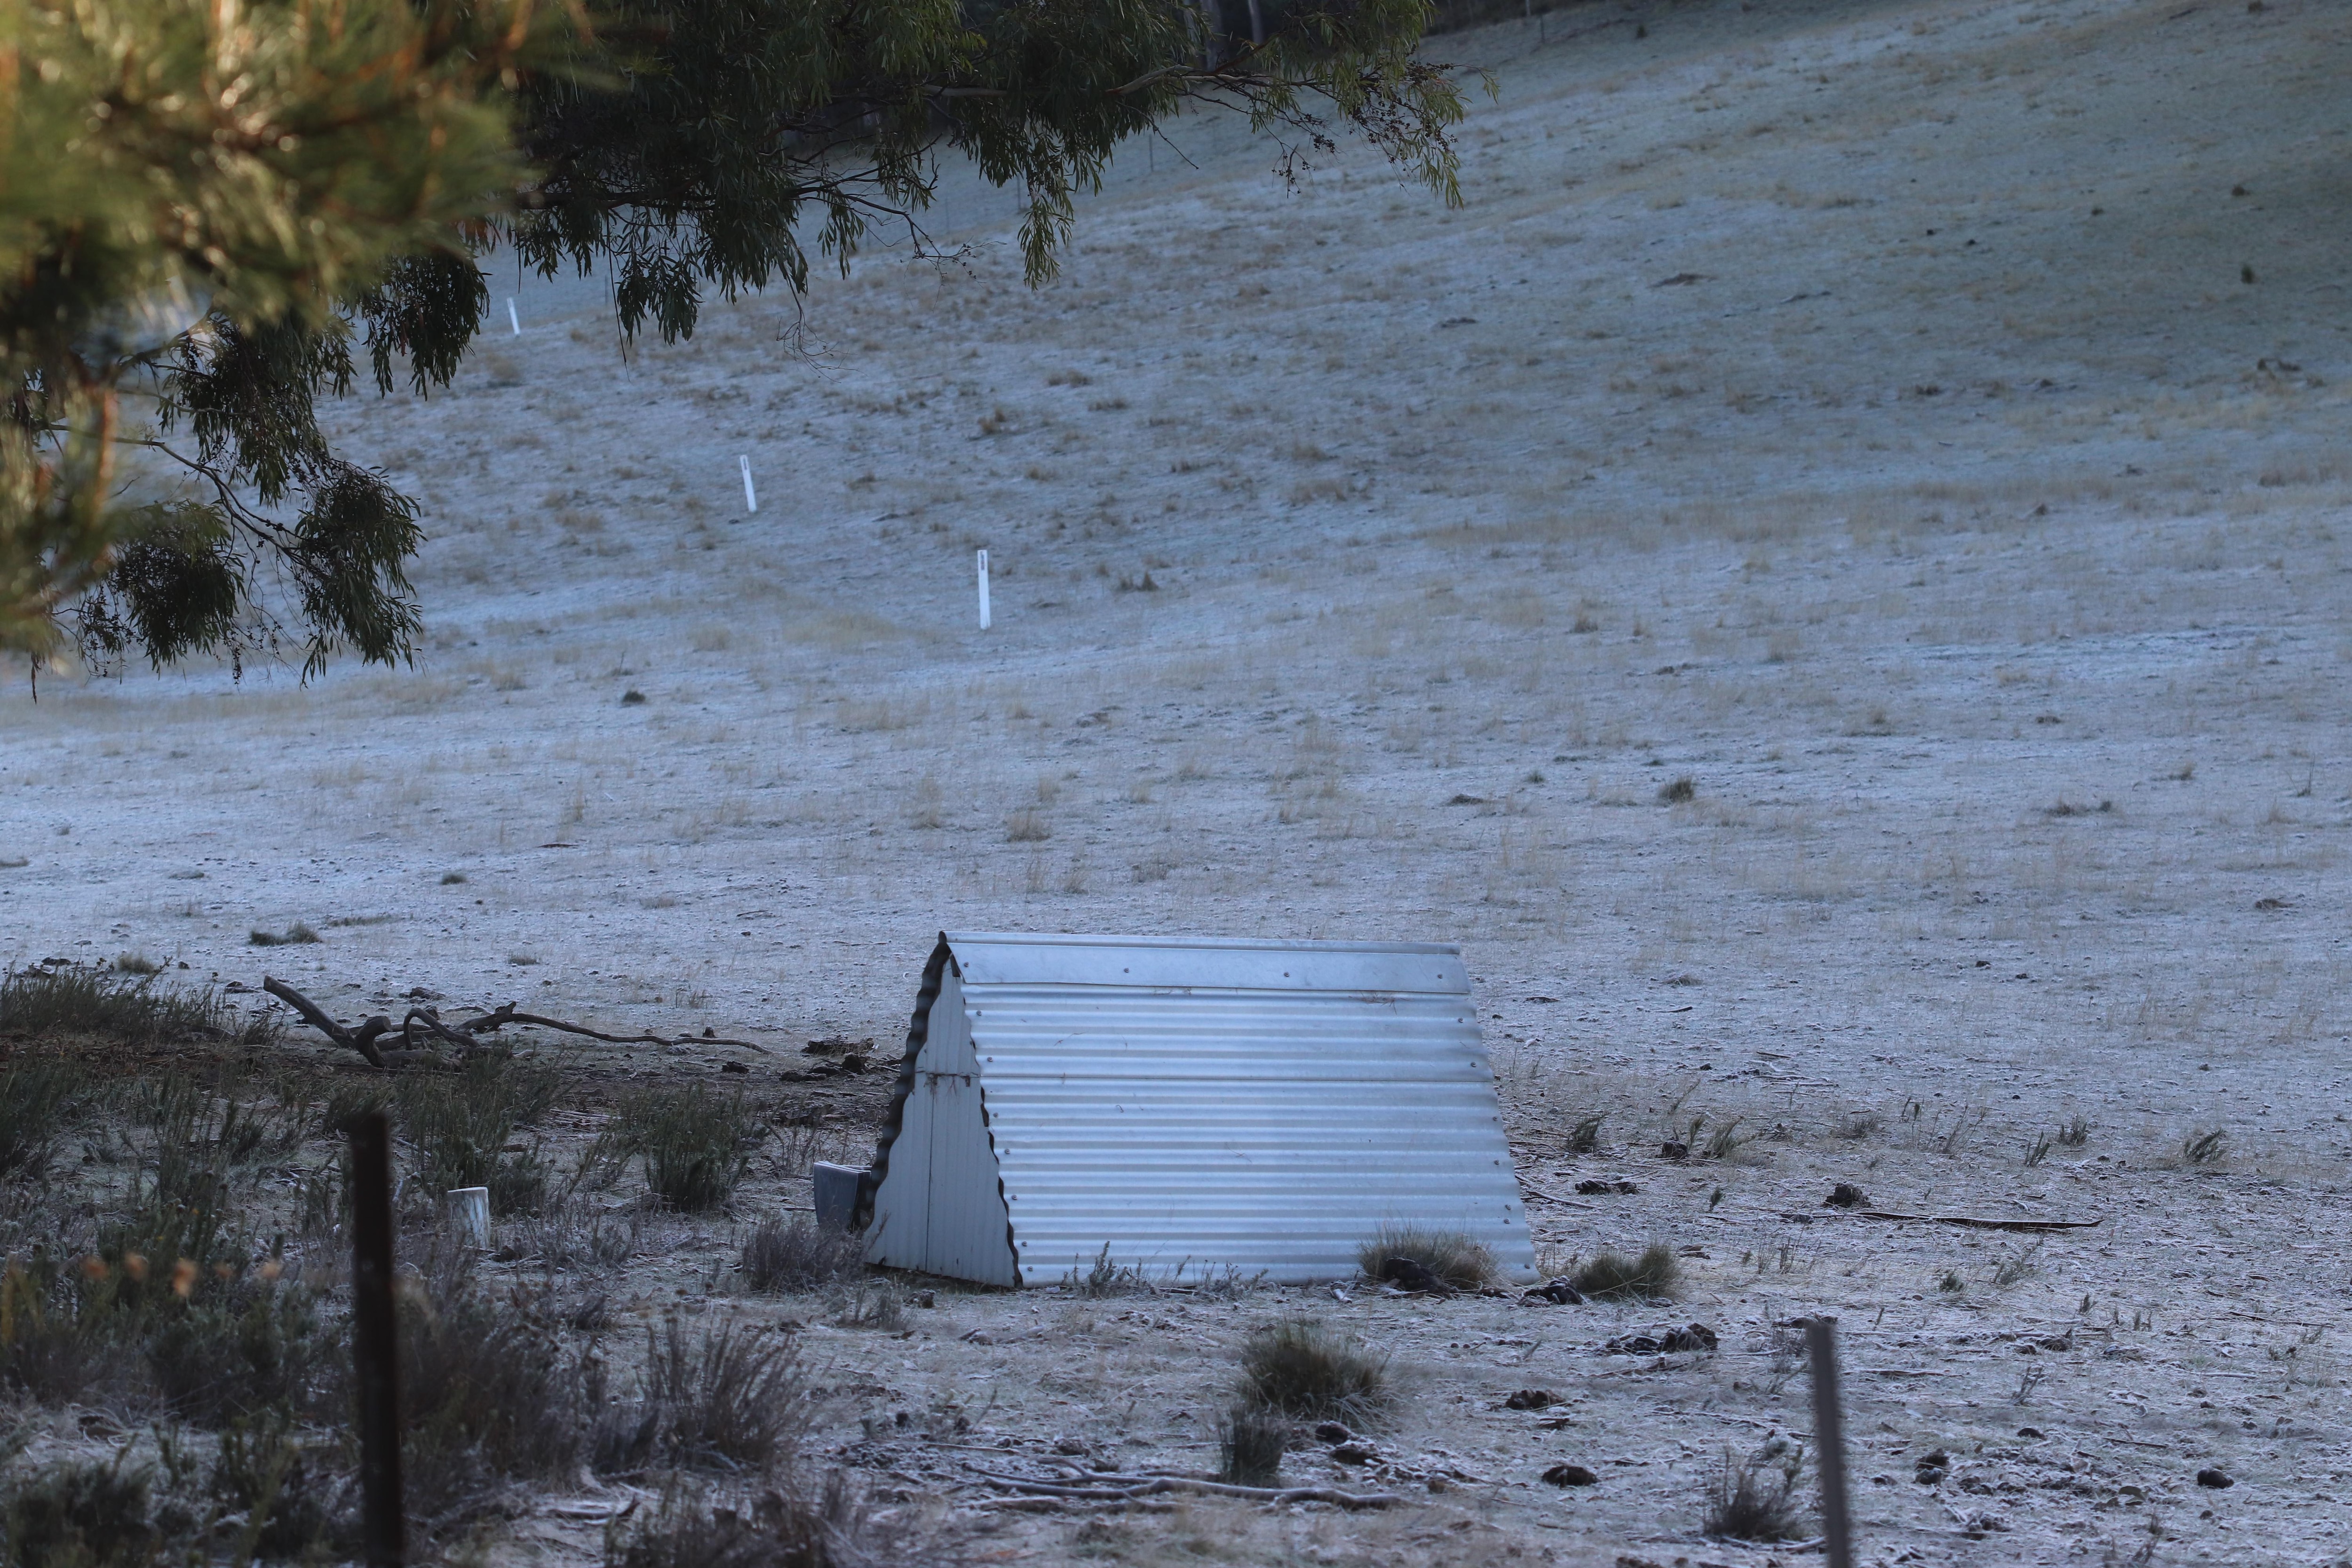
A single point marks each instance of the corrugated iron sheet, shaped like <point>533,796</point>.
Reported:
<point>1199,1104</point>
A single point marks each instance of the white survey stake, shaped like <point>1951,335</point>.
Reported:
<point>750,496</point>
<point>984,590</point>
<point>512,320</point>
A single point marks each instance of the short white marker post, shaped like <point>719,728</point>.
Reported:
<point>984,590</point>
<point>469,1215</point>
<point>512,320</point>
<point>750,496</point>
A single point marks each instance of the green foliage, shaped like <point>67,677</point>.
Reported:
<point>193,193</point>
<point>212,204</point>
<point>485,1391</point>
<point>696,1144</point>
<point>238,1351</point>
<point>283,1492</point>
<point>34,1097</point>
<point>67,1002</point>
<point>80,1514</point>
<point>459,1124</point>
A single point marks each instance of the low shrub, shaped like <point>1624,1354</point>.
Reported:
<point>55,1350</point>
<point>784,1529</point>
<point>731,1400</point>
<point>1584,1133</point>
<point>459,1124</point>
<point>2205,1148</point>
<point>1302,1368</point>
<point>282,1496</point>
<point>82,1514</point>
<point>735,1400</point>
<point>1757,1499</point>
<point>76,1001</point>
<point>1653,1276</point>
<point>872,1304</point>
<point>1461,1262</point>
<point>1104,1277</point>
<point>799,1256</point>
<point>696,1144</point>
<point>486,1392</point>
<point>239,1349</point>
<point>1251,1441</point>
<point>37,1100</point>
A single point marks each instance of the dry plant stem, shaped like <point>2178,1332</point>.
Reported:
<point>1121,1487</point>
<point>2020,1224</point>
<point>466,1036</point>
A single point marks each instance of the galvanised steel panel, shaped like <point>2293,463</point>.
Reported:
<point>1200,1104</point>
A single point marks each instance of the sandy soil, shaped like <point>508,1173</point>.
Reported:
<point>1918,425</point>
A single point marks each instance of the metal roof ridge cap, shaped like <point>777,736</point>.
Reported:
<point>1245,944</point>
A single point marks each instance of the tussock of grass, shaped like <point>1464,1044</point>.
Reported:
<point>1302,1368</point>
<point>801,1256</point>
<point>1653,1276</point>
<point>295,935</point>
<point>1584,1133</point>
<point>1756,1500</point>
<point>787,1528</point>
<point>460,1123</point>
<point>486,1392</point>
<point>1461,1262</point>
<point>1251,1441</point>
<point>81,1512</point>
<point>731,1400</point>
<point>36,1099</point>
<point>70,1001</point>
<point>696,1144</point>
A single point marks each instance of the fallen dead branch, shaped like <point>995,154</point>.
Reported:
<point>1120,1489</point>
<point>422,1028</point>
<point>1974,1224</point>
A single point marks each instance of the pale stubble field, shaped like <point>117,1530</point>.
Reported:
<point>1884,417</point>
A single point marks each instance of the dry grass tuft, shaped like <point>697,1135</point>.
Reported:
<point>1251,1441</point>
<point>2205,1148</point>
<point>799,1257</point>
<point>1653,1276</point>
<point>1458,1260</point>
<point>127,1010</point>
<point>1756,1500</point>
<point>1584,1134</point>
<point>1302,1368</point>
<point>784,1528</point>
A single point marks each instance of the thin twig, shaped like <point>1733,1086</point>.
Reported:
<point>1118,1486</point>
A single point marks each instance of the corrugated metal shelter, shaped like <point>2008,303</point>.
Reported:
<point>1194,1104</point>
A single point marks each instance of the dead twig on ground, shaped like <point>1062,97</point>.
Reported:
<point>1119,1488</point>
<point>1974,1224</point>
<point>423,1026</point>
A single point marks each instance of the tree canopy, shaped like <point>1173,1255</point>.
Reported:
<point>208,207</point>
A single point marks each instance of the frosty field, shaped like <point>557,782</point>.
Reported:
<point>1826,576</point>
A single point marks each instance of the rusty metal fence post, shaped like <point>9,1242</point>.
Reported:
<point>375,1342</point>
<point>1829,1441</point>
